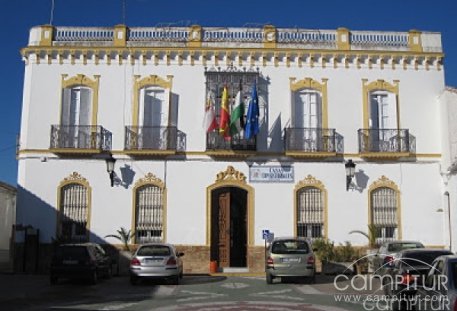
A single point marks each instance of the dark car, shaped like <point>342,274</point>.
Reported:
<point>80,261</point>
<point>440,289</point>
<point>407,273</point>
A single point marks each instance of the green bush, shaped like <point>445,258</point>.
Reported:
<point>324,249</point>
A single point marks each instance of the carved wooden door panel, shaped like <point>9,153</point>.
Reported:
<point>224,229</point>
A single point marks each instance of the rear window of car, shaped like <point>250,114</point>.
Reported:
<point>396,247</point>
<point>71,252</point>
<point>154,250</point>
<point>422,258</point>
<point>453,273</point>
<point>290,247</point>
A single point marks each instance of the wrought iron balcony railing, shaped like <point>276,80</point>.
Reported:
<point>311,140</point>
<point>165,138</point>
<point>89,137</point>
<point>214,141</point>
<point>386,140</point>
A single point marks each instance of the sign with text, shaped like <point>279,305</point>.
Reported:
<point>271,174</point>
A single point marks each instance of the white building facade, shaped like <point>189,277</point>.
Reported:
<point>141,94</point>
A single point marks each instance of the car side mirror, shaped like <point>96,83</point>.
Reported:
<point>180,254</point>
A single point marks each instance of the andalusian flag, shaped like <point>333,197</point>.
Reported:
<point>236,118</point>
<point>209,122</point>
<point>224,121</point>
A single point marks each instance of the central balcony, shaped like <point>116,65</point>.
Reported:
<point>80,139</point>
<point>154,140</point>
<point>312,142</point>
<point>386,143</point>
<point>235,145</point>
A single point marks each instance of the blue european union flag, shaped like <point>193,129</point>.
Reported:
<point>252,117</point>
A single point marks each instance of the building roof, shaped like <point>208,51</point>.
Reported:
<point>7,187</point>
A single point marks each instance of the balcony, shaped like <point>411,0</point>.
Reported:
<point>312,142</point>
<point>154,140</point>
<point>237,145</point>
<point>386,143</point>
<point>80,139</point>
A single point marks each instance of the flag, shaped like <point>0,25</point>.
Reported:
<point>209,121</point>
<point>236,118</point>
<point>224,128</point>
<point>252,118</point>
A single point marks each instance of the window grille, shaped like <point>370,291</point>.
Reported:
<point>74,212</point>
<point>149,214</point>
<point>310,213</point>
<point>384,213</point>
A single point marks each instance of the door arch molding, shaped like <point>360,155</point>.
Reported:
<point>231,178</point>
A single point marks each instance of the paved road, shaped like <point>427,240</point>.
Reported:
<point>22,292</point>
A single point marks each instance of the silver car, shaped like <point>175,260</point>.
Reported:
<point>290,257</point>
<point>156,260</point>
<point>440,289</point>
<point>384,258</point>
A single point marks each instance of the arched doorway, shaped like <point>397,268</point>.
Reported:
<point>230,219</point>
<point>229,227</point>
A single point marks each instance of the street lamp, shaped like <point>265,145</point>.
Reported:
<point>110,161</point>
<point>350,172</point>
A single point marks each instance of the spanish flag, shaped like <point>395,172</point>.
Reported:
<point>224,122</point>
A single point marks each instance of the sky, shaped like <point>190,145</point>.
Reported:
<point>18,16</point>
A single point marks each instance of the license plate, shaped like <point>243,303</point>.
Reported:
<point>69,262</point>
<point>291,260</point>
<point>152,260</point>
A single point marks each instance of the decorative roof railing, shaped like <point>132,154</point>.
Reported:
<point>238,37</point>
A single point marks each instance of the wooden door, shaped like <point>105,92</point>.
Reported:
<point>224,229</point>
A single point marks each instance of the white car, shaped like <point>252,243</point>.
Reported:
<point>158,261</point>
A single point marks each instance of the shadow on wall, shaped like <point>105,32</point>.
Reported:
<point>32,250</point>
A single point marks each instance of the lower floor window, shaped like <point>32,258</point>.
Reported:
<point>149,214</point>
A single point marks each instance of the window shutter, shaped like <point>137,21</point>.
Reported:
<point>84,107</point>
<point>65,117</point>
<point>374,112</point>
<point>392,110</point>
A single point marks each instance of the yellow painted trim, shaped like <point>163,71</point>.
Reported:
<point>74,178</point>
<point>384,182</point>
<point>150,180</point>
<point>83,80</point>
<point>269,37</point>
<point>311,182</point>
<point>232,178</point>
<point>120,36</point>
<point>342,39</point>
<point>415,41</point>
<point>309,83</point>
<point>138,84</point>
<point>75,151</point>
<point>206,153</point>
<point>195,36</point>
<point>150,152</point>
<point>386,155</point>
<point>46,35</point>
<point>303,154</point>
<point>378,85</point>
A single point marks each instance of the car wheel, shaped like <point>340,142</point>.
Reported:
<point>312,280</point>
<point>269,278</point>
<point>109,272</point>
<point>53,280</point>
<point>134,280</point>
<point>94,277</point>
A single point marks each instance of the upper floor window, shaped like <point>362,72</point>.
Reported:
<point>383,110</point>
<point>307,109</point>
<point>76,106</point>
<point>153,110</point>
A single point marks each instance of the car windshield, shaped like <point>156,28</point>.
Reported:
<point>290,247</point>
<point>71,252</point>
<point>396,247</point>
<point>154,250</point>
<point>422,258</point>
